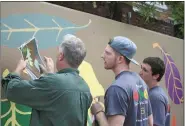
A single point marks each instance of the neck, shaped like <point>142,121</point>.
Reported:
<point>63,66</point>
<point>152,84</point>
<point>117,70</point>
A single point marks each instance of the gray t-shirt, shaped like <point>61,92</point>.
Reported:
<point>159,103</point>
<point>128,96</point>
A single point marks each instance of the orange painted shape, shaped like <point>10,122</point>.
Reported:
<point>174,120</point>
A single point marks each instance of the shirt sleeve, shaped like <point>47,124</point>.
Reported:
<point>159,111</point>
<point>149,108</point>
<point>34,93</point>
<point>168,115</point>
<point>116,101</point>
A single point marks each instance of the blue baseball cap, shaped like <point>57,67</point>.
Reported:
<point>125,47</point>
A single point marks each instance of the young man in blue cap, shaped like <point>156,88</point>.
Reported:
<point>126,100</point>
<point>152,71</point>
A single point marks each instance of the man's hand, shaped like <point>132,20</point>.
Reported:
<point>20,66</point>
<point>96,107</point>
<point>49,65</point>
<point>97,110</point>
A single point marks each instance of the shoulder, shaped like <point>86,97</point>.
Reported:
<point>158,94</point>
<point>130,81</point>
<point>50,77</point>
<point>115,88</point>
<point>53,80</point>
<point>117,91</point>
<point>126,80</point>
<point>58,76</point>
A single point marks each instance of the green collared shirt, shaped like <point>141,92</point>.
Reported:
<point>60,99</point>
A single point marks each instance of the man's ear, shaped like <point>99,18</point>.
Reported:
<point>120,59</point>
<point>155,77</point>
<point>61,56</point>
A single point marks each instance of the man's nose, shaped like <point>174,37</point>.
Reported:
<point>140,73</point>
<point>102,55</point>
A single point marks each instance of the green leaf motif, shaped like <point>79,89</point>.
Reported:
<point>28,57</point>
<point>14,114</point>
<point>47,29</point>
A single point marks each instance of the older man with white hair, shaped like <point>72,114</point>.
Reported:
<point>56,99</point>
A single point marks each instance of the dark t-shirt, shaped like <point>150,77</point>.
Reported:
<point>128,96</point>
<point>159,103</point>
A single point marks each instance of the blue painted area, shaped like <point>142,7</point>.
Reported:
<point>46,36</point>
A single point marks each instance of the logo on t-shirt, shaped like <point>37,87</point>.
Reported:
<point>145,94</point>
<point>140,96</point>
<point>135,96</point>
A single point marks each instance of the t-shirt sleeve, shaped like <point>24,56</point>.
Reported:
<point>149,108</point>
<point>116,101</point>
<point>159,111</point>
<point>149,105</point>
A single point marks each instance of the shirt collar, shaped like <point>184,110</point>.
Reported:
<point>154,87</point>
<point>68,70</point>
<point>120,74</point>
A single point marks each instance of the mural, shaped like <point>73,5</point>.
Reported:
<point>172,77</point>
<point>18,29</point>
<point>49,23</point>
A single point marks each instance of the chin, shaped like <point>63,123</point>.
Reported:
<point>107,68</point>
<point>141,77</point>
<point>146,81</point>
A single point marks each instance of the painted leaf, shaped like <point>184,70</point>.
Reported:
<point>172,77</point>
<point>173,80</point>
<point>13,114</point>
<point>5,73</point>
<point>47,29</point>
<point>95,87</point>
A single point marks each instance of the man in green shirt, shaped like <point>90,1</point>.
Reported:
<point>56,99</point>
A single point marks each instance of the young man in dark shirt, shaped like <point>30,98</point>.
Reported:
<point>126,100</point>
<point>152,71</point>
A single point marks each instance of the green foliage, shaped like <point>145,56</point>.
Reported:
<point>146,10</point>
<point>28,57</point>
<point>177,13</point>
<point>24,51</point>
<point>27,54</point>
<point>176,9</point>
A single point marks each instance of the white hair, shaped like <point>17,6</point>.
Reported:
<point>73,49</point>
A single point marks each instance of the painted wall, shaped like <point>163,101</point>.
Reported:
<point>20,21</point>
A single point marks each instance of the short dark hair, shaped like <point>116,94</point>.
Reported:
<point>157,66</point>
